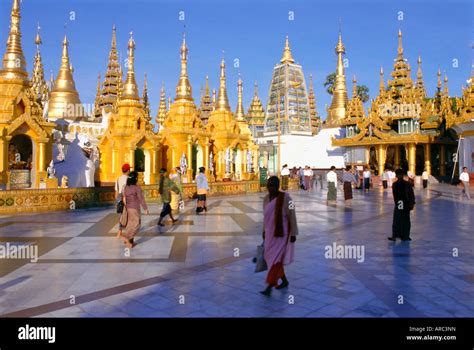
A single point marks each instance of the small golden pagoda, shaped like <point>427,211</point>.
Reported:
<point>184,141</point>
<point>145,98</point>
<point>109,93</point>
<point>231,148</point>
<point>206,104</point>
<point>25,137</point>
<point>38,83</point>
<point>162,109</point>
<point>256,115</point>
<point>313,112</point>
<point>337,110</point>
<point>403,127</point>
<point>64,102</point>
<point>240,113</point>
<point>466,103</point>
<point>129,137</point>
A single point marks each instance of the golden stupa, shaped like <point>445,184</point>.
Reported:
<point>129,137</point>
<point>25,137</point>
<point>64,102</point>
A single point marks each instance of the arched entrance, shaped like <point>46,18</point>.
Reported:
<point>373,163</point>
<point>403,158</point>
<point>139,164</point>
<point>419,159</point>
<point>390,160</point>
<point>20,161</point>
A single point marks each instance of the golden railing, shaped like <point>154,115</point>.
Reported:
<point>28,201</point>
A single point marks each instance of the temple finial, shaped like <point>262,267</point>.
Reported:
<point>130,88</point>
<point>14,63</point>
<point>222,99</point>
<point>183,89</point>
<point>287,56</point>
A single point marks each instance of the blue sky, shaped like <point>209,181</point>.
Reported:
<point>253,32</point>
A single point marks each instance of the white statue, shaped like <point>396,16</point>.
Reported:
<point>249,161</point>
<point>90,173</point>
<point>51,171</point>
<point>183,164</point>
<point>228,160</point>
<point>61,155</point>
<point>211,163</point>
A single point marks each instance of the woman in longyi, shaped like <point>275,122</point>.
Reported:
<point>280,231</point>
<point>130,219</point>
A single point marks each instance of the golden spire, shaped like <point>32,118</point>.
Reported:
<point>145,99</point>
<point>312,107</point>
<point>256,113</point>
<point>113,76</point>
<point>97,109</point>
<point>14,63</point>
<point>400,46</point>
<point>439,79</point>
<point>214,99</point>
<point>239,113</point>
<point>207,86</point>
<point>38,83</point>
<point>64,101</point>
<point>206,104</point>
<point>98,85</point>
<point>354,87</point>
<point>445,87</point>
<point>161,116</point>
<point>382,83</point>
<point>222,99</point>
<point>183,89</point>
<point>130,89</point>
<point>339,97</point>
<point>312,99</point>
<point>419,76</point>
<point>287,56</point>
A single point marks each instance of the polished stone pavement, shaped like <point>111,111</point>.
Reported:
<point>203,265</point>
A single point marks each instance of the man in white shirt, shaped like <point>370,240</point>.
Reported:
<point>285,174</point>
<point>308,176</point>
<point>424,177</point>
<point>464,177</point>
<point>367,175</point>
<point>391,176</point>
<point>119,186</point>
<point>331,179</point>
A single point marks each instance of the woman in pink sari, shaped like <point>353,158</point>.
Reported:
<point>280,231</point>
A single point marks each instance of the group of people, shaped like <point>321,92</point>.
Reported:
<point>129,197</point>
<point>280,227</point>
<point>307,178</point>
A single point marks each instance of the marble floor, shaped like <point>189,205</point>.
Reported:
<point>202,266</point>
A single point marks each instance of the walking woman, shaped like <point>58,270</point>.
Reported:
<point>279,234</point>
<point>130,220</point>
<point>166,186</point>
<point>348,179</point>
<point>202,189</point>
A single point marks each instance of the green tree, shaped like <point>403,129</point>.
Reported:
<point>363,93</point>
<point>362,90</point>
<point>329,83</point>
